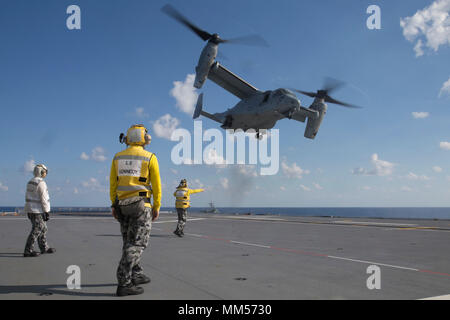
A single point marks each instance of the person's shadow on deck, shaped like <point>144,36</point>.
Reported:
<point>11,254</point>
<point>49,290</point>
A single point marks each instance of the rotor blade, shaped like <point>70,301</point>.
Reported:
<point>169,10</point>
<point>331,100</point>
<point>331,84</point>
<point>309,94</point>
<point>250,40</point>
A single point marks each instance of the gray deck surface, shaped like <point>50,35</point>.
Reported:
<point>234,257</point>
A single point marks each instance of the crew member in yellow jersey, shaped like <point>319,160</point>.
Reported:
<point>134,179</point>
<point>182,197</point>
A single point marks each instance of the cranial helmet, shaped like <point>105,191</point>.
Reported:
<point>39,170</point>
<point>183,184</point>
<point>137,135</point>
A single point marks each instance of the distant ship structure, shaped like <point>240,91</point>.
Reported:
<point>211,209</point>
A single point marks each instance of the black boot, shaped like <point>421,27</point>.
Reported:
<point>140,279</point>
<point>49,250</point>
<point>130,290</point>
<point>31,254</point>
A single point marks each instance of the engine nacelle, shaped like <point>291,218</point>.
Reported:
<point>313,125</point>
<point>205,62</point>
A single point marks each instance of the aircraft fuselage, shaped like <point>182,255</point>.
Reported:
<point>260,111</point>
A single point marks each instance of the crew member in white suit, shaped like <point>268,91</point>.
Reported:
<point>37,207</point>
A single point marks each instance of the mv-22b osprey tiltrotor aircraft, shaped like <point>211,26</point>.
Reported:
<point>257,109</point>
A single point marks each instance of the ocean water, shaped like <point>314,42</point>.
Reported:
<point>396,213</point>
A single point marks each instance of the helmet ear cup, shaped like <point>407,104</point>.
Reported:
<point>148,139</point>
<point>39,170</point>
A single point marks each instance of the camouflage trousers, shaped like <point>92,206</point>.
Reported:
<point>182,214</point>
<point>38,233</point>
<point>135,231</point>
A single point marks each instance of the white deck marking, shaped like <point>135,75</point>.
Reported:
<point>69,218</point>
<point>375,223</point>
<point>444,297</point>
<point>98,218</point>
<point>250,244</point>
<point>375,263</point>
<point>188,220</point>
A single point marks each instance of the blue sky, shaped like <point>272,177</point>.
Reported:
<point>66,95</point>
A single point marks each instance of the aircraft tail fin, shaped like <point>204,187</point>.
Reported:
<point>198,107</point>
<point>199,110</point>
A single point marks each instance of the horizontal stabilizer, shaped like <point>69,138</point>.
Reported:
<point>210,116</point>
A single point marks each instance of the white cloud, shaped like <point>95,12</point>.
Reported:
<point>382,167</point>
<point>92,184</point>
<point>293,171</point>
<point>140,113</point>
<point>413,176</point>
<point>432,24</point>
<point>29,166</point>
<point>359,171</point>
<point>165,126</point>
<point>198,183</point>
<point>224,183</point>
<point>437,169</point>
<point>247,170</point>
<point>282,188</point>
<point>3,187</point>
<point>418,48</point>
<point>185,94</point>
<point>305,188</point>
<point>406,189</point>
<point>420,115</point>
<point>445,145</point>
<point>445,88</point>
<point>84,156</point>
<point>75,190</point>
<point>97,154</point>
<point>317,186</point>
<point>366,188</point>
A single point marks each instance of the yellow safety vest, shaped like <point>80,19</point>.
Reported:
<point>135,173</point>
<point>182,197</point>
